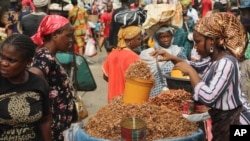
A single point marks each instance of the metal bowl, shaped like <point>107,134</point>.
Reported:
<point>179,83</point>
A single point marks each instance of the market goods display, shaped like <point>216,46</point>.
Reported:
<point>162,122</point>
<point>139,70</point>
<point>139,81</point>
<point>178,74</point>
<point>173,99</point>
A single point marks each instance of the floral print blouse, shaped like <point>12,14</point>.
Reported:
<point>60,97</point>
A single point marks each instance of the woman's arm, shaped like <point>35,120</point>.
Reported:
<point>166,56</point>
<point>45,127</point>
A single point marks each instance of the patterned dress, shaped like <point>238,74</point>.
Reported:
<point>60,96</point>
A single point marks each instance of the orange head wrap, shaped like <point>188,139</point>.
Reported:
<point>48,25</point>
<point>225,26</point>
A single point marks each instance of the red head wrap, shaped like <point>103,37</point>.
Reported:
<point>48,25</point>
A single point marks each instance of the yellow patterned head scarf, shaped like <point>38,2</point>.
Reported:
<point>127,33</point>
<point>225,26</point>
<point>185,3</point>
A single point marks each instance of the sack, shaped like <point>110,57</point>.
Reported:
<point>84,80</point>
<point>130,17</point>
<point>162,14</point>
<point>90,49</point>
<point>81,110</point>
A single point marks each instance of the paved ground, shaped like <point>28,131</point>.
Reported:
<point>94,100</point>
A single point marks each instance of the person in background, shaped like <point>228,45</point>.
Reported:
<point>244,7</point>
<point>183,35</point>
<point>135,5</point>
<point>163,39</point>
<point>216,82</point>
<point>24,98</point>
<point>54,34</point>
<point>187,8</point>
<point>79,18</point>
<point>13,17</point>
<point>31,21</point>
<point>29,4</point>
<point>118,61</point>
<point>217,7</point>
<point>105,21</point>
<point>206,5</point>
<point>114,27</point>
<point>245,62</point>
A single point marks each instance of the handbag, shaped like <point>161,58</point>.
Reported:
<point>81,110</point>
<point>130,17</point>
<point>84,80</point>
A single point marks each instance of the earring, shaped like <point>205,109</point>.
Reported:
<point>224,47</point>
<point>211,49</point>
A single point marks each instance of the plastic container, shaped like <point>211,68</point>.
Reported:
<point>137,91</point>
<point>179,83</point>
<point>133,129</point>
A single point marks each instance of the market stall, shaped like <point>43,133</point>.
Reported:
<point>162,114</point>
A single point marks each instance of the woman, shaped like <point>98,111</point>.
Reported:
<point>206,5</point>
<point>79,18</point>
<point>163,39</point>
<point>23,95</point>
<point>55,34</point>
<point>216,82</point>
<point>119,59</point>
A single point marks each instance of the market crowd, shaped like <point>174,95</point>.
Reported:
<point>210,45</point>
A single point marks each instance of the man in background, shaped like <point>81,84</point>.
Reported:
<point>105,20</point>
<point>114,27</point>
<point>30,22</point>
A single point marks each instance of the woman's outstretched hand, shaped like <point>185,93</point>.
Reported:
<point>165,56</point>
<point>184,67</point>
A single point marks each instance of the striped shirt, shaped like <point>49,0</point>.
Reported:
<point>220,84</point>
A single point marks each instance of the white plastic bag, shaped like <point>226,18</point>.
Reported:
<point>197,117</point>
<point>90,49</point>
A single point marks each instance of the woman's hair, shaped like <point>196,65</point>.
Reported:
<point>74,2</point>
<point>22,43</point>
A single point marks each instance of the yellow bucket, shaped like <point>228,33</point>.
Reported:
<point>137,91</point>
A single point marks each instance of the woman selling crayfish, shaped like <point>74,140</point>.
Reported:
<point>216,81</point>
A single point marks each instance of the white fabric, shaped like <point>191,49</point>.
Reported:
<point>194,14</point>
<point>40,3</point>
<point>196,117</point>
<point>151,61</point>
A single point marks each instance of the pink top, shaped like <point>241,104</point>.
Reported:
<point>115,67</point>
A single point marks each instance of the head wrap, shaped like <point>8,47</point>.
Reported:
<point>40,3</point>
<point>162,30</point>
<point>127,33</point>
<point>225,26</point>
<point>185,3</point>
<point>48,25</point>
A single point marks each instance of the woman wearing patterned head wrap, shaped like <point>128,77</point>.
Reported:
<point>216,81</point>
<point>119,59</point>
<point>55,34</point>
<point>163,39</point>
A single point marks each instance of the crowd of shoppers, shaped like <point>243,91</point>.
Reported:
<point>31,76</point>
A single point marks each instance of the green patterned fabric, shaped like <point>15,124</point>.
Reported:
<point>247,53</point>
